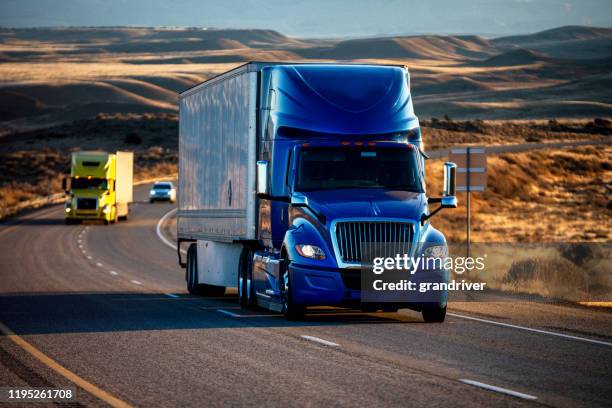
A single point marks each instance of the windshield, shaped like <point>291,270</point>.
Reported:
<point>392,168</point>
<point>162,187</point>
<point>89,183</point>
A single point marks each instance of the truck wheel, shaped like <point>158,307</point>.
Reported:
<point>122,218</point>
<point>193,287</point>
<point>434,314</point>
<point>246,289</point>
<point>292,311</point>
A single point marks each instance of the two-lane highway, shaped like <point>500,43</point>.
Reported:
<point>104,309</point>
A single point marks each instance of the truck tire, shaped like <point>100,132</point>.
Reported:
<point>246,289</point>
<point>434,314</point>
<point>292,311</point>
<point>193,287</point>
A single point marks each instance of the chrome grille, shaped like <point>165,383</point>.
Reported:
<point>378,238</point>
<point>87,203</point>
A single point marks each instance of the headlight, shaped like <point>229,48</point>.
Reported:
<point>151,192</point>
<point>310,251</point>
<point>106,209</point>
<point>67,209</point>
<point>436,251</point>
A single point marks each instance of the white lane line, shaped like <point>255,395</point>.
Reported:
<point>158,229</point>
<point>80,241</point>
<point>135,282</point>
<point>550,333</point>
<point>247,315</point>
<point>113,273</point>
<point>228,313</point>
<point>171,295</point>
<point>98,264</point>
<point>80,246</point>
<point>498,389</point>
<point>88,256</point>
<point>321,341</point>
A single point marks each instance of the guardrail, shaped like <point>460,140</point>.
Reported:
<point>58,198</point>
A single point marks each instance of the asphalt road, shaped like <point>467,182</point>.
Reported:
<point>104,309</point>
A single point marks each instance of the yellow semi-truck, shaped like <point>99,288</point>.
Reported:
<point>99,187</point>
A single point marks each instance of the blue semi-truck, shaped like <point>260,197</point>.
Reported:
<point>286,171</point>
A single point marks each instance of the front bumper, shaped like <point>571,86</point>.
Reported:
<point>160,197</point>
<point>316,287</point>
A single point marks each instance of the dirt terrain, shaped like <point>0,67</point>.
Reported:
<point>58,75</point>
<point>115,88</point>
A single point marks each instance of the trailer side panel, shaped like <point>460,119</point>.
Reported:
<point>217,155</point>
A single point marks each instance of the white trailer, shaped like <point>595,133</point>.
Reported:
<point>217,160</point>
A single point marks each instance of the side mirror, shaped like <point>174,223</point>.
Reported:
<point>262,177</point>
<point>449,199</point>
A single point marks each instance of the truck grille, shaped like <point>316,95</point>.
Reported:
<point>87,203</point>
<point>378,238</point>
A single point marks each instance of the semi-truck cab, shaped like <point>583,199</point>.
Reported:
<point>99,187</point>
<point>288,171</point>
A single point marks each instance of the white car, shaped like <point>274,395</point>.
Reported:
<point>162,191</point>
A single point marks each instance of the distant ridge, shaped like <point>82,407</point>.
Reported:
<point>420,47</point>
<point>565,33</point>
<point>520,56</point>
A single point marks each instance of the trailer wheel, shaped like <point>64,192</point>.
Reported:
<point>291,310</point>
<point>193,287</point>
<point>246,289</point>
<point>434,314</point>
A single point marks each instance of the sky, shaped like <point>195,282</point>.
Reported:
<point>316,18</point>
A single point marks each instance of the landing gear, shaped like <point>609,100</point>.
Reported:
<point>246,289</point>
<point>115,217</point>
<point>193,286</point>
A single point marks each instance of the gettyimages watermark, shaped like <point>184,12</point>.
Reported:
<point>402,278</point>
<point>579,272</point>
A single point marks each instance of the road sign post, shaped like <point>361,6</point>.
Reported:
<point>471,176</point>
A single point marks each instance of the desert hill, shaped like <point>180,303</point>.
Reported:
<point>414,47</point>
<point>54,75</point>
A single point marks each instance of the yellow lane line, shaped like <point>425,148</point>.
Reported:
<point>52,364</point>
<point>596,304</point>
